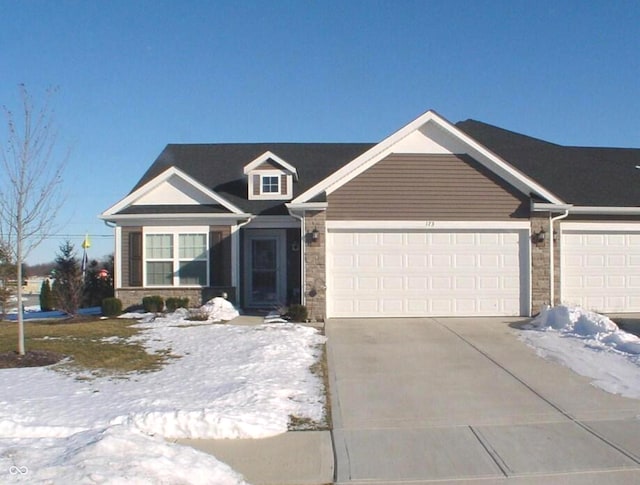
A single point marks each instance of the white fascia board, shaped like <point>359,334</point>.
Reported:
<point>307,206</point>
<point>163,177</point>
<point>180,219</point>
<point>273,222</point>
<point>268,155</point>
<point>546,207</point>
<point>385,147</point>
<point>430,225</point>
<point>596,210</point>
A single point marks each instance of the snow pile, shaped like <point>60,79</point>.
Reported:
<point>228,382</point>
<point>219,309</point>
<point>114,455</point>
<point>590,344</point>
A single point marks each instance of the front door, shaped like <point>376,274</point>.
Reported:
<point>265,269</point>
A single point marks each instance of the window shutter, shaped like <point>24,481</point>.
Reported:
<point>283,184</point>
<point>135,259</point>
<point>256,185</point>
<point>215,258</point>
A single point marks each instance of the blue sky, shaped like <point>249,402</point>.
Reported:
<point>136,75</point>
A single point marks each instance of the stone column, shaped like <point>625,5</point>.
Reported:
<point>315,281</point>
<point>540,288</point>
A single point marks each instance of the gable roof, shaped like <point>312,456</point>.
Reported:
<point>584,176</point>
<point>127,205</point>
<point>221,167</point>
<point>444,136</point>
<point>269,156</point>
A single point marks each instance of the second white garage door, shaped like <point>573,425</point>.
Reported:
<point>394,273</point>
<point>601,266</point>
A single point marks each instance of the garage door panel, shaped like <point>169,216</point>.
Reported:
<point>600,268</point>
<point>417,283</point>
<point>428,273</point>
<point>615,281</point>
<point>341,283</point>
<point>417,306</point>
<point>367,283</point>
<point>616,260</point>
<point>465,283</point>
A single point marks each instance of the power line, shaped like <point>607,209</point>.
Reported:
<point>91,236</point>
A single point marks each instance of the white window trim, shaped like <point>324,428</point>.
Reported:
<point>288,195</point>
<point>175,232</point>
<point>277,184</point>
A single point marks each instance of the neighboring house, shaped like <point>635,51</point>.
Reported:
<point>435,220</point>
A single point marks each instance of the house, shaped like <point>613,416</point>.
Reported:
<point>438,219</point>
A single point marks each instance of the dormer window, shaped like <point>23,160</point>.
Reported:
<point>270,184</point>
<point>270,178</point>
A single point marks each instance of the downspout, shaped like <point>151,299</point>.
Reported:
<point>235,248</point>
<point>302,251</point>
<point>552,275</point>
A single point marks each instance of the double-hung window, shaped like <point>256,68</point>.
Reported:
<point>176,259</point>
<point>192,265</point>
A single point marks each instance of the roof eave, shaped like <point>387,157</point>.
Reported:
<point>174,217</point>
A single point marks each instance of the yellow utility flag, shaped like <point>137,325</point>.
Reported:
<point>86,244</point>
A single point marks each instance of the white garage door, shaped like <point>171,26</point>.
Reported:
<point>427,273</point>
<point>601,267</point>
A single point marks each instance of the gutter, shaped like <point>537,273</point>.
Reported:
<point>585,209</point>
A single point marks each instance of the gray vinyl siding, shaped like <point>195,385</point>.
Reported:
<point>427,187</point>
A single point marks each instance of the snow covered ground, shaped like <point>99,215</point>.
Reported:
<point>591,345</point>
<point>230,382</point>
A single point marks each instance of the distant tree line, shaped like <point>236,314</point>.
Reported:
<point>42,269</point>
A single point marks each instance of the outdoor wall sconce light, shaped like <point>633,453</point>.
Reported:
<point>315,234</point>
<point>539,237</point>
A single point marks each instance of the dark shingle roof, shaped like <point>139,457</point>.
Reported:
<point>578,175</point>
<point>220,167</point>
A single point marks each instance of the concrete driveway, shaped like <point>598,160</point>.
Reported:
<point>463,400</point>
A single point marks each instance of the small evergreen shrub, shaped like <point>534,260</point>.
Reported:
<point>153,304</point>
<point>297,313</point>
<point>111,307</point>
<point>176,302</point>
<point>46,297</point>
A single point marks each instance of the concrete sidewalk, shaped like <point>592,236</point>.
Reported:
<point>294,458</point>
<point>464,401</point>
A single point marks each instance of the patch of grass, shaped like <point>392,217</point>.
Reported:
<point>100,347</point>
<point>297,423</point>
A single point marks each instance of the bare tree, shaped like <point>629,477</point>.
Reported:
<point>30,188</point>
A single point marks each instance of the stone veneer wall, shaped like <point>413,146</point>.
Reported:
<point>540,277</point>
<point>197,296</point>
<point>315,266</point>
